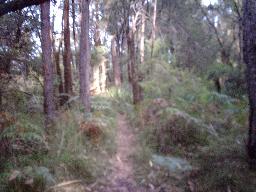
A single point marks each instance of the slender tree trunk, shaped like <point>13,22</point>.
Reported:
<point>249,50</point>
<point>120,54</point>
<point>142,38</point>
<point>98,74</point>
<point>129,68</point>
<point>129,47</point>
<point>136,88</point>
<point>58,72</point>
<point>58,68</point>
<point>56,61</point>
<point>240,35</point>
<point>84,67</point>
<point>115,63</point>
<point>1,99</point>
<point>97,40</point>
<point>74,33</point>
<point>67,51</point>
<point>53,44</point>
<point>153,36</point>
<point>47,63</point>
<point>225,57</point>
<point>103,76</point>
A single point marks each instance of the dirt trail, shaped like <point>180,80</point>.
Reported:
<point>121,179</point>
<point>121,176</point>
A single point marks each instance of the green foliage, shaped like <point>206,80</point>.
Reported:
<point>25,128</point>
<point>218,70</point>
<point>122,98</point>
<point>225,164</point>
<point>78,155</point>
<point>32,179</point>
<point>182,116</point>
<point>98,53</point>
<point>68,153</point>
<point>231,79</point>
<point>26,147</point>
<point>160,49</point>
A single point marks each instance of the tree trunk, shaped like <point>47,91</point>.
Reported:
<point>115,63</point>
<point>225,57</point>
<point>153,36</point>
<point>136,88</point>
<point>97,40</point>
<point>56,63</point>
<point>249,50</point>
<point>67,51</point>
<point>47,63</point>
<point>84,67</point>
<point>58,72</point>
<point>1,99</point>
<point>142,39</point>
<point>103,76</point>
<point>74,33</point>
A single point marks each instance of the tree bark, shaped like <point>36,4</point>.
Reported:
<point>18,5</point>
<point>1,99</point>
<point>58,72</point>
<point>136,88</point>
<point>153,36</point>
<point>225,57</point>
<point>142,39</point>
<point>47,63</point>
<point>84,67</point>
<point>249,50</point>
<point>103,76</point>
<point>67,51</point>
<point>97,40</point>
<point>115,63</point>
<point>74,33</point>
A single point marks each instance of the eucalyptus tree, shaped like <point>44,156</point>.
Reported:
<point>136,77</point>
<point>153,34</point>
<point>84,62</point>
<point>67,50</point>
<point>249,50</point>
<point>118,17</point>
<point>124,21</point>
<point>224,20</point>
<point>115,62</point>
<point>47,62</point>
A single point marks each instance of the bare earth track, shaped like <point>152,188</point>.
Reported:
<point>121,178</point>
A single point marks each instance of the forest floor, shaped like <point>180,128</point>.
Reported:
<point>122,170</point>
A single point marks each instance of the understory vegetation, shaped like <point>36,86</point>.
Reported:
<point>75,147</point>
<point>127,95</point>
<point>182,115</point>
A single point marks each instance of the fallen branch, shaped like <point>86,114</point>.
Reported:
<point>64,184</point>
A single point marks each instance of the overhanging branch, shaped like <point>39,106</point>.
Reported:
<point>17,5</point>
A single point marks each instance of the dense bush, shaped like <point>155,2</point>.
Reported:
<point>183,116</point>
